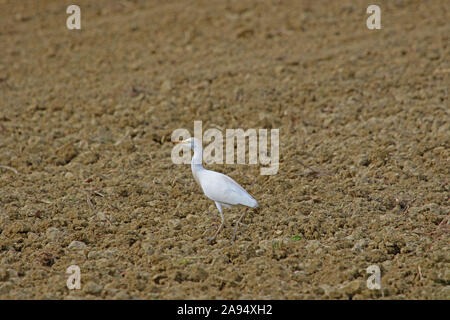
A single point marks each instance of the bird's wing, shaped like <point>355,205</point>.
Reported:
<point>221,188</point>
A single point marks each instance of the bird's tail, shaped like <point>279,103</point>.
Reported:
<point>252,203</point>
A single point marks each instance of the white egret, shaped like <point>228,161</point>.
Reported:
<point>220,188</point>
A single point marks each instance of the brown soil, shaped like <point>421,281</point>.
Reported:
<point>85,119</point>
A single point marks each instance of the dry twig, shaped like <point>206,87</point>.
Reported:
<point>9,168</point>
<point>420,273</point>
<point>405,204</point>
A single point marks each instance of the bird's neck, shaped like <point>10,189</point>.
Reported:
<point>196,162</point>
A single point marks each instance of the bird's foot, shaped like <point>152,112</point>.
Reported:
<point>235,233</point>
<point>214,236</point>
<point>213,228</point>
<point>211,239</point>
<point>236,227</point>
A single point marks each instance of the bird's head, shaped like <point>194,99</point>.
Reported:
<point>192,142</point>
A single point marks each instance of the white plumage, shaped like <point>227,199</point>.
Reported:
<point>218,187</point>
<point>223,189</point>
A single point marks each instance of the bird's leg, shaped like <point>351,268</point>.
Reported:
<point>214,236</point>
<point>237,225</point>
<point>242,224</point>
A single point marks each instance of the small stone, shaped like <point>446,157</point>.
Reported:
<point>181,276</point>
<point>88,157</point>
<point>260,252</point>
<point>12,273</point>
<point>313,244</point>
<point>135,65</point>
<point>158,278</point>
<point>69,175</point>
<point>364,160</point>
<point>65,154</point>
<point>148,248</point>
<point>53,234</point>
<point>18,227</point>
<point>352,288</point>
<point>166,86</point>
<point>3,274</point>
<point>101,216</point>
<point>5,288</point>
<point>175,224</point>
<point>77,245</point>
<point>326,289</point>
<point>93,288</point>
<point>122,295</point>
<point>359,245</point>
<point>333,293</point>
<point>94,254</point>
<point>358,297</point>
<point>191,218</point>
<point>279,70</point>
<point>198,274</point>
<point>111,253</point>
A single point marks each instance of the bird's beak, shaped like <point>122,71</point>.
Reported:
<point>177,142</point>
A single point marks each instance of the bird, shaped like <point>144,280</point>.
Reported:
<point>220,188</point>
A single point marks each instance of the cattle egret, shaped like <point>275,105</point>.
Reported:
<point>220,188</point>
